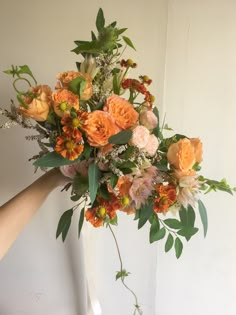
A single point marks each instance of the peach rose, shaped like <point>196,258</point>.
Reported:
<point>63,101</point>
<point>140,137</point>
<point>197,144</point>
<point>122,111</point>
<point>39,104</point>
<point>181,155</point>
<point>99,128</point>
<point>66,77</point>
<point>148,119</point>
<point>152,145</point>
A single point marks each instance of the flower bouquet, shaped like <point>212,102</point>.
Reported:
<point>101,127</point>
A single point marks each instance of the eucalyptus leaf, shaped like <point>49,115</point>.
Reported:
<point>64,224</point>
<point>188,232</point>
<point>122,137</point>
<point>94,177</point>
<point>80,185</point>
<point>53,159</point>
<point>203,215</point>
<point>113,180</point>
<point>81,221</point>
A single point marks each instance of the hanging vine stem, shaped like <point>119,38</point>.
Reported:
<point>19,79</point>
<point>122,271</point>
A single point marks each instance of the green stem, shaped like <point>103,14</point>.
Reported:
<point>18,79</point>
<point>137,307</point>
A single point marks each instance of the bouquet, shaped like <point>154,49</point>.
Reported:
<point>102,128</point>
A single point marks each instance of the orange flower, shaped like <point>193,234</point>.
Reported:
<point>38,104</point>
<point>122,111</point>
<point>71,124</point>
<point>123,185</point>
<point>181,155</point>
<point>99,128</point>
<point>66,77</point>
<point>166,196</point>
<point>106,208</point>
<point>197,144</point>
<point>63,101</point>
<point>68,147</point>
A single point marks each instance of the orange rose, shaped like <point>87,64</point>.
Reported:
<point>197,144</point>
<point>122,111</point>
<point>66,77</point>
<point>178,174</point>
<point>99,128</point>
<point>38,104</point>
<point>63,101</point>
<point>181,155</point>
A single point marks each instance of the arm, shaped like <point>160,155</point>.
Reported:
<point>17,212</point>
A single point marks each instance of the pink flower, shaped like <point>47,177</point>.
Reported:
<point>148,119</point>
<point>152,145</point>
<point>80,167</point>
<point>68,170</point>
<point>188,191</point>
<point>140,137</point>
<point>140,190</point>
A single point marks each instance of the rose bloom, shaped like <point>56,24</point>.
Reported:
<point>39,104</point>
<point>63,101</point>
<point>122,111</point>
<point>152,145</point>
<point>181,155</point>
<point>66,77</point>
<point>148,119</point>
<point>140,137</point>
<point>99,128</point>
<point>197,144</point>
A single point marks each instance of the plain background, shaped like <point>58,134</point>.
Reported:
<point>188,48</point>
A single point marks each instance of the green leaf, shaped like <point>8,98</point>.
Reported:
<point>122,274</point>
<point>20,100</point>
<point>26,70</point>
<point>155,232</point>
<point>203,215</point>
<point>114,221</point>
<point>80,185</point>
<point>94,177</point>
<point>122,137</point>
<point>81,221</point>
<point>188,232</point>
<point>173,223</point>
<point>53,159</point>
<point>116,88</point>
<point>145,213</point>
<point>103,192</point>
<point>126,164</point>
<point>178,247</point>
<point>93,36</point>
<point>191,216</point>
<point>113,180</point>
<point>100,20</point>
<point>128,42</point>
<point>77,86</point>
<point>183,216</point>
<point>169,243</point>
<point>64,224</point>
<point>121,30</point>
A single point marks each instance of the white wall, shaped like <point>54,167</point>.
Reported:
<point>40,275</point>
<point>200,101</point>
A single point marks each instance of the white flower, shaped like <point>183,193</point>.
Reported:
<point>188,191</point>
<point>89,66</point>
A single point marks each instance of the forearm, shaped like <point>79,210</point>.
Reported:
<point>16,213</point>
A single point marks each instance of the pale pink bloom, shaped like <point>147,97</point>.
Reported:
<point>151,172</point>
<point>140,190</point>
<point>140,137</point>
<point>68,170</point>
<point>78,167</point>
<point>152,145</point>
<point>188,191</point>
<point>148,119</point>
